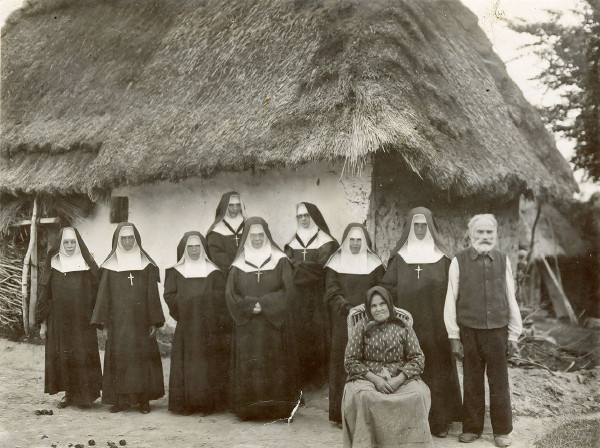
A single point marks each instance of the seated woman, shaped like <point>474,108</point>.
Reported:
<point>385,402</point>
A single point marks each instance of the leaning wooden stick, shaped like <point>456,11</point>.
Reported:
<point>26,305</point>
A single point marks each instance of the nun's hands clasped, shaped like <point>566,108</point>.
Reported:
<point>257,308</point>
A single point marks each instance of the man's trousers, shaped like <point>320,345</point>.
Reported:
<point>486,350</point>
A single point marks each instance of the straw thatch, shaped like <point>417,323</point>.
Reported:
<point>101,93</point>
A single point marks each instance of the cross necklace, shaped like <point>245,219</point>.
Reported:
<point>259,272</point>
<point>304,246</point>
<point>131,277</point>
<point>418,271</point>
<point>236,233</point>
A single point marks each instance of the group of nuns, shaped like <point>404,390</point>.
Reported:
<point>256,325</point>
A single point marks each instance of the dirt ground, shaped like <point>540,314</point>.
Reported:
<point>540,400</point>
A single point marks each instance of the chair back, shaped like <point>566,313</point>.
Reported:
<point>358,313</point>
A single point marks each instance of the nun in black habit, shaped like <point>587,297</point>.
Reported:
<point>417,279</point>
<point>309,249</point>
<point>128,309</point>
<point>223,236</point>
<point>64,309</point>
<point>350,272</point>
<point>259,293</point>
<point>195,295</point>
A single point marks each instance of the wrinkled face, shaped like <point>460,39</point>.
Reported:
<point>379,309</point>
<point>303,220</point>
<point>127,241</point>
<point>484,235</point>
<point>70,245</point>
<point>194,251</point>
<point>234,209</point>
<point>420,229</point>
<point>355,244</point>
<point>257,239</point>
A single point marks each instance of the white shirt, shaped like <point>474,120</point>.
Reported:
<point>515,324</point>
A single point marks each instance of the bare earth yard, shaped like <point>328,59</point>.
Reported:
<point>541,400</point>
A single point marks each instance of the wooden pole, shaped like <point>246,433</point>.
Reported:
<point>561,291</point>
<point>25,274</point>
<point>33,290</point>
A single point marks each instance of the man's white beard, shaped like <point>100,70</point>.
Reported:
<point>484,247</point>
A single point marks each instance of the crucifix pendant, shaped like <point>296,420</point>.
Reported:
<point>131,277</point>
<point>258,274</point>
<point>304,254</point>
<point>418,271</point>
<point>237,239</point>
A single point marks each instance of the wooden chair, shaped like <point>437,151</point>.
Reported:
<point>358,313</point>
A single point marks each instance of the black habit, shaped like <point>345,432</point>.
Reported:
<point>128,304</point>
<point>200,352</point>
<point>264,363</point>
<point>344,291</point>
<point>312,326</point>
<point>221,249</point>
<point>421,290</point>
<point>72,362</point>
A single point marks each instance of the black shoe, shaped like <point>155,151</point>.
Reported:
<point>145,408</point>
<point>63,403</point>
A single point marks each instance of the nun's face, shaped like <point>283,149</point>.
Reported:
<point>70,245</point>
<point>420,229</point>
<point>379,308</point>
<point>303,220</point>
<point>355,244</point>
<point>127,241</point>
<point>257,239</point>
<point>193,251</point>
<point>234,209</point>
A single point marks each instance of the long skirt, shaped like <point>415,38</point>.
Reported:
<point>373,419</point>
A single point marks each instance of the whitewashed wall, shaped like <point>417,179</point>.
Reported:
<point>163,211</point>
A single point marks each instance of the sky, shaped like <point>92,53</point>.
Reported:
<point>522,64</point>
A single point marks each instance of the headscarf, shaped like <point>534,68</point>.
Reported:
<point>79,261</point>
<point>415,251</point>
<point>248,254</point>
<point>344,261</point>
<point>119,259</point>
<point>221,214</point>
<point>371,322</point>
<point>317,225</point>
<point>187,267</point>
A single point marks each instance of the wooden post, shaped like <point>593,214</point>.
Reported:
<point>33,290</point>
<point>28,307</point>
<point>561,291</point>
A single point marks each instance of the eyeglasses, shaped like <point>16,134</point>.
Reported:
<point>305,215</point>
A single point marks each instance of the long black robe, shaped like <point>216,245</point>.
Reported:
<point>312,326</point>
<point>200,352</point>
<point>221,249</point>
<point>132,364</point>
<point>343,291</point>
<point>264,363</point>
<point>423,293</point>
<point>72,359</point>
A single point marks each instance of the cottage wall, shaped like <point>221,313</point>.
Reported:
<point>163,211</point>
<point>396,190</point>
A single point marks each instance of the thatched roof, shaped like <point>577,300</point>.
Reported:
<point>100,93</point>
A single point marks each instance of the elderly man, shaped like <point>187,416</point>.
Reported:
<point>483,323</point>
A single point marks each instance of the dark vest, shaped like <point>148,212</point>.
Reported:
<point>482,301</point>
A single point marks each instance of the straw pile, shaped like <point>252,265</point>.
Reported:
<point>11,262</point>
